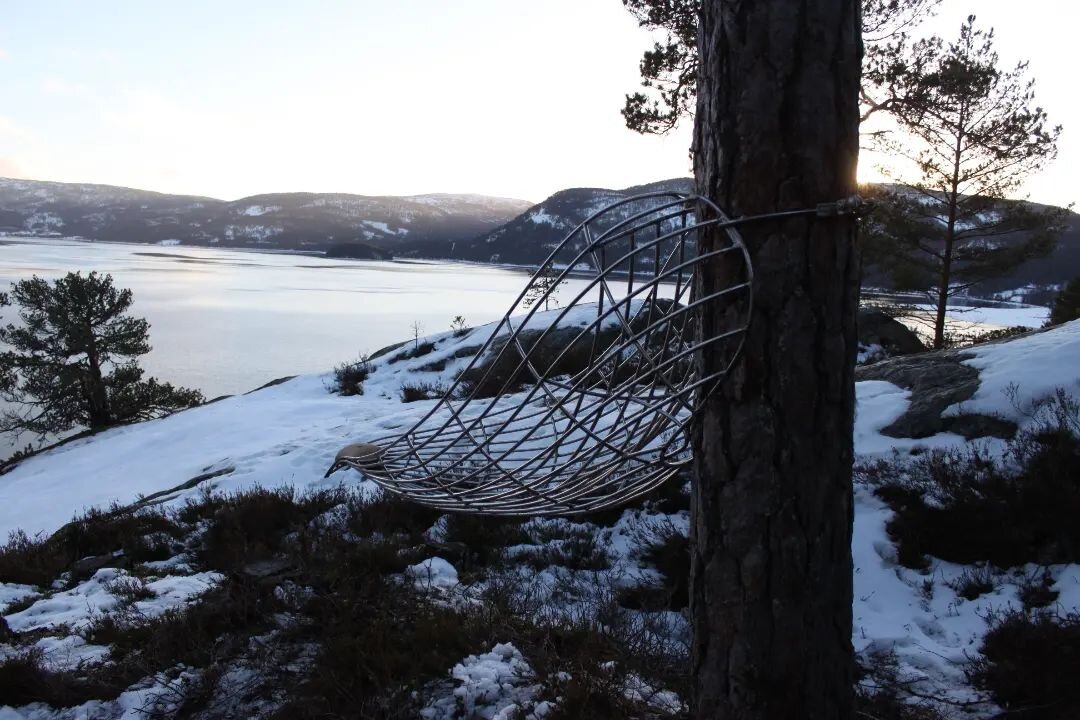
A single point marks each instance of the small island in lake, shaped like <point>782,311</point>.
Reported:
<point>357,251</point>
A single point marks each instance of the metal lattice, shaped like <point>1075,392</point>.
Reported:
<point>589,406</point>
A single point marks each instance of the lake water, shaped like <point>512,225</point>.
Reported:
<point>227,321</point>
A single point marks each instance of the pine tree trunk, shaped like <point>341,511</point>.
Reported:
<point>945,277</point>
<point>943,293</point>
<point>97,400</point>
<point>771,581</point>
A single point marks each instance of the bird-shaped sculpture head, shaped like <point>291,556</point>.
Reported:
<point>358,455</point>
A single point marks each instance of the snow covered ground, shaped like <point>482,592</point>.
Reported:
<point>287,435</point>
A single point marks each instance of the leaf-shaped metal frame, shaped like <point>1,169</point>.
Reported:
<point>589,406</point>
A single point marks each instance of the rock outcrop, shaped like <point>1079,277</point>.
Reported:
<point>937,380</point>
<point>877,327</point>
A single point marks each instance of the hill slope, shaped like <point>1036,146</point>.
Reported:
<point>286,435</point>
<point>310,221</point>
<point>529,237</point>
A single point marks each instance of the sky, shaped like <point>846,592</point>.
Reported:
<point>499,97</point>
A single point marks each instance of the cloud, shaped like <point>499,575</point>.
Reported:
<point>11,131</point>
<point>8,168</point>
<point>59,87</point>
<point>3,54</point>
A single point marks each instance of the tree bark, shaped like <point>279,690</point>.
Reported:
<point>950,240</point>
<point>97,401</point>
<point>771,576</point>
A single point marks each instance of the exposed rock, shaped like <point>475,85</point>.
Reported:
<point>171,493</point>
<point>877,327</point>
<point>973,426</point>
<point>272,383</point>
<point>455,551</point>
<point>270,572</point>
<point>90,565</point>
<point>936,380</point>
<point>387,350</point>
<point>356,250</point>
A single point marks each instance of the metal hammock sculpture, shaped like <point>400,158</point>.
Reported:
<point>590,408</point>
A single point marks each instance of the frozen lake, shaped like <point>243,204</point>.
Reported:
<point>227,321</point>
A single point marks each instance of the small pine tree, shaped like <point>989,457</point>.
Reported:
<point>545,286</point>
<point>1067,305</point>
<point>974,134</point>
<point>71,360</point>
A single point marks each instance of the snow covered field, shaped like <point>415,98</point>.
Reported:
<point>287,435</point>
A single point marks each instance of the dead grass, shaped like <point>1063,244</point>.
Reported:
<point>421,390</point>
<point>24,679</point>
<point>974,583</point>
<point>348,378</point>
<point>485,536</point>
<point>1029,664</point>
<point>134,535</point>
<point>251,526</point>
<point>968,507</point>
<point>666,548</point>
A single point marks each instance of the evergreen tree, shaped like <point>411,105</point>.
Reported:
<point>71,360</point>
<point>974,134</point>
<point>545,286</point>
<point>669,70</point>
<point>1067,304</point>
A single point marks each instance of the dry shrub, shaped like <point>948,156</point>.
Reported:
<point>421,390</point>
<point>666,548</point>
<point>30,560</point>
<point>137,535</point>
<point>1029,665</point>
<point>485,536</point>
<point>251,526</point>
<point>349,377</point>
<point>966,506</point>
<point>974,582</point>
<point>24,679</point>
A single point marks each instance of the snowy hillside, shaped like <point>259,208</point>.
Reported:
<point>529,237</point>
<point>287,435</point>
<point>310,221</point>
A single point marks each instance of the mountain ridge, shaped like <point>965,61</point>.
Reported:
<point>529,238</point>
<point>293,220</point>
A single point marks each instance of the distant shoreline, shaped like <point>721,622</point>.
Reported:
<point>868,293</point>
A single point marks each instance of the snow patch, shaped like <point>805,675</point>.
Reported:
<point>257,210</point>
<point>61,653</point>
<point>543,217</point>
<point>385,229</point>
<point>494,686</point>
<point>433,574</point>
<point>12,593</point>
<point>1035,366</point>
<point>78,607</point>
<point>158,696</point>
